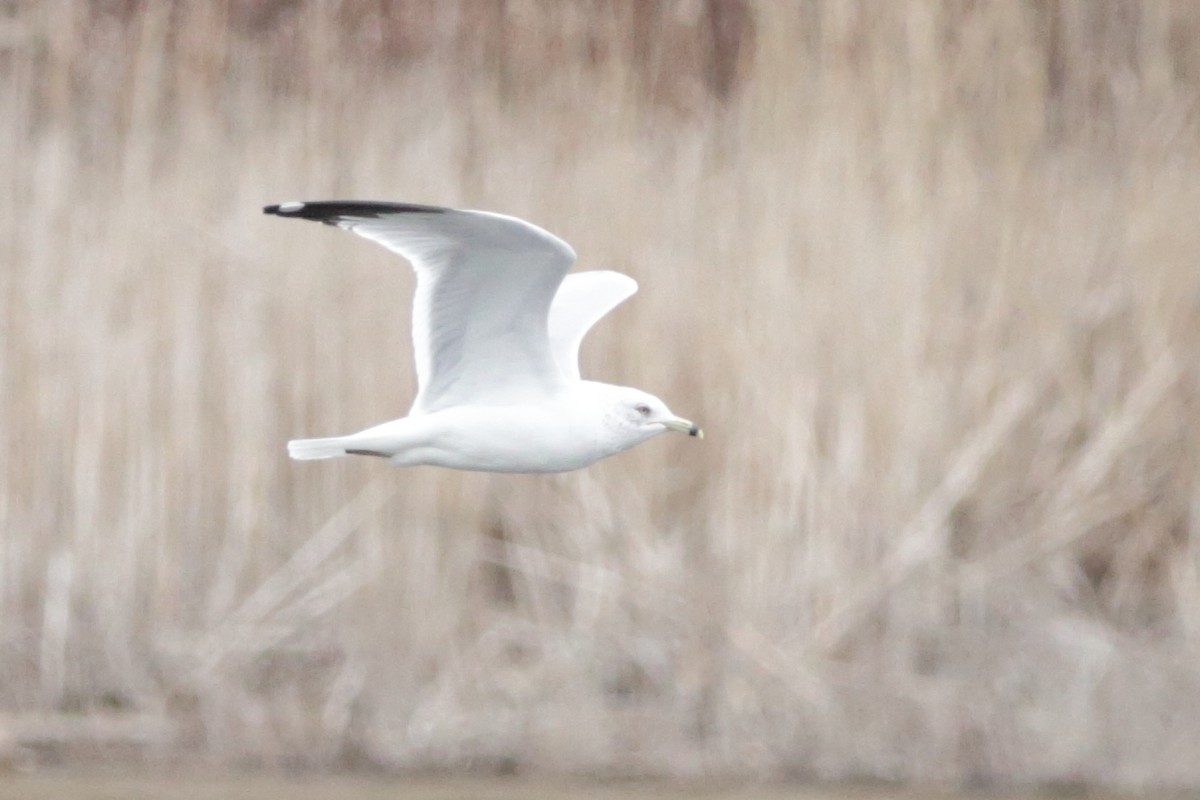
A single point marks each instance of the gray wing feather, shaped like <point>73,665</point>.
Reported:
<point>485,283</point>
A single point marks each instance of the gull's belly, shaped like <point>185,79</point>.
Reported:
<point>510,439</point>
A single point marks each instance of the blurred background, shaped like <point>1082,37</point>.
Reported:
<point>928,273</point>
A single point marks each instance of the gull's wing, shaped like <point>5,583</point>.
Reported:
<point>484,287</point>
<point>582,299</point>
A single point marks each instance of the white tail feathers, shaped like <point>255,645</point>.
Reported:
<point>311,449</point>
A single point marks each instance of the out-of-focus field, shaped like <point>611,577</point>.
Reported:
<point>928,273</point>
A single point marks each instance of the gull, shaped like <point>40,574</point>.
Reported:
<point>497,324</point>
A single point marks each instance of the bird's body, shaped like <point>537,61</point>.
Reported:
<point>570,426</point>
<point>497,325</point>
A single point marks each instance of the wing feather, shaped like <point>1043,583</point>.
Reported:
<point>582,300</point>
<point>485,283</point>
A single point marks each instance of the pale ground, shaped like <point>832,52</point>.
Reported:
<point>256,787</point>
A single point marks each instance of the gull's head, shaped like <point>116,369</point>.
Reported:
<point>638,416</point>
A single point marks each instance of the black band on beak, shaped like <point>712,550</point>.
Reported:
<point>694,430</point>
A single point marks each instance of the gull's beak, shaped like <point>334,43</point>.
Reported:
<point>685,426</point>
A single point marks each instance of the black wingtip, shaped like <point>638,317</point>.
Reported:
<point>333,211</point>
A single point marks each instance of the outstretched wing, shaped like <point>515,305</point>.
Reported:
<point>484,287</point>
<point>582,299</point>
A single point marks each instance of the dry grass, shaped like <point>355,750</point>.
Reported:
<point>928,273</point>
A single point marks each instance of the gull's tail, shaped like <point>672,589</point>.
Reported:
<point>334,447</point>
<point>310,449</point>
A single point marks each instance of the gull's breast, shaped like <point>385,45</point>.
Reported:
<point>515,438</point>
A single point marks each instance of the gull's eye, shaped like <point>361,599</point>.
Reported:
<point>643,409</point>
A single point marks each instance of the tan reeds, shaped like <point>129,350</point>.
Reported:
<point>927,273</point>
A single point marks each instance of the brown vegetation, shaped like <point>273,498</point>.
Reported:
<point>928,273</point>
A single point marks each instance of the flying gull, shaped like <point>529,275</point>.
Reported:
<point>497,324</point>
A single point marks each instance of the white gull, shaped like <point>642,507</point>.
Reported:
<point>497,324</point>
